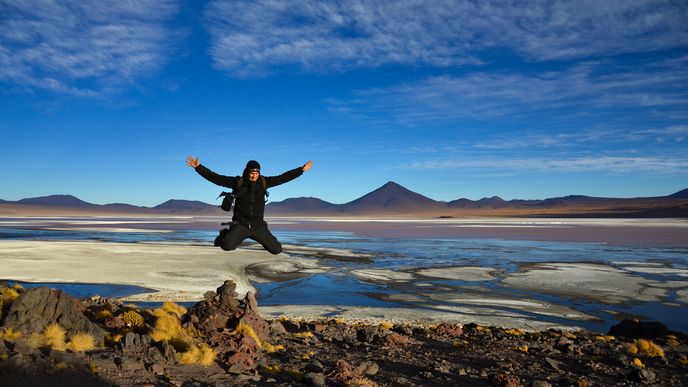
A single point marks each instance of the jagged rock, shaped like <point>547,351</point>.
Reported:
<point>639,329</point>
<point>133,340</point>
<point>227,295</point>
<point>114,323</point>
<point>368,368</point>
<point>168,352</point>
<point>316,378</point>
<point>315,366</point>
<point>643,376</point>
<point>291,326</point>
<point>368,334</point>
<point>277,328</point>
<point>35,308</point>
<point>218,317</point>
<point>505,380</point>
<point>450,330</point>
<point>396,339</point>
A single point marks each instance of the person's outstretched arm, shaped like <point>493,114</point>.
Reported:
<point>221,180</point>
<point>272,181</point>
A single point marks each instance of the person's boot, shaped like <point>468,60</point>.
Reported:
<point>219,238</point>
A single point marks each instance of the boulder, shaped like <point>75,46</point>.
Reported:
<point>635,329</point>
<point>35,308</point>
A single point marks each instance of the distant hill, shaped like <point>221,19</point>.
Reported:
<point>683,194</point>
<point>301,205</point>
<point>186,206</point>
<point>56,200</point>
<point>391,199</point>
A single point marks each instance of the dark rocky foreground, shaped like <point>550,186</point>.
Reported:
<point>135,347</point>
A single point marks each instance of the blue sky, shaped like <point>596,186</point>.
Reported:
<point>521,99</point>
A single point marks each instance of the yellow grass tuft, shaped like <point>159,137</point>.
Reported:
<point>645,347</point>
<point>361,381</point>
<point>638,363</point>
<point>307,355</point>
<point>482,329</point>
<point>54,337</point>
<point>673,341</point>
<point>201,354</point>
<point>102,314</point>
<point>605,339</point>
<point>10,334</point>
<point>340,320</point>
<point>17,287</point>
<point>269,348</point>
<point>246,330</point>
<point>8,295</point>
<point>112,340</point>
<point>82,342</point>
<point>515,332</point>
<point>385,326</point>
<point>168,328</point>
<point>683,360</point>
<point>60,365</point>
<point>460,343</point>
<point>93,367</point>
<point>175,309</point>
<point>303,335</point>
<point>272,369</point>
<point>132,319</point>
<point>569,335</point>
<point>582,382</point>
<point>523,348</point>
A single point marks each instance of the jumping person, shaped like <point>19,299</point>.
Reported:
<point>249,207</point>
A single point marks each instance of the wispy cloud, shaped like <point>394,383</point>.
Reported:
<point>582,89</point>
<point>82,47</point>
<point>613,164</point>
<point>252,38</point>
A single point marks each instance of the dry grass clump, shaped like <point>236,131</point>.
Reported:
<point>523,348</point>
<point>645,347</point>
<point>81,342</point>
<point>54,337</point>
<point>515,332</point>
<point>638,363</point>
<point>303,335</point>
<point>201,354</point>
<point>7,295</point>
<point>35,340</point>
<point>172,308</point>
<point>272,369</point>
<point>604,339</point>
<point>112,339</point>
<point>385,326</point>
<point>133,320</point>
<point>10,334</point>
<point>102,314</point>
<point>168,328</point>
<point>361,381</point>
<point>246,330</point>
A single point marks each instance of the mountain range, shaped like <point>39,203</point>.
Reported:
<point>391,199</point>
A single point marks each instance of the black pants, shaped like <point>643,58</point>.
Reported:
<point>237,233</point>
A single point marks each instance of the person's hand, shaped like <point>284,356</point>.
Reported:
<point>190,161</point>
<point>307,166</point>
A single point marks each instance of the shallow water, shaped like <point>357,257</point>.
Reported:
<point>339,286</point>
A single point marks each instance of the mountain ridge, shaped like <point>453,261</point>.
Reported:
<point>389,199</point>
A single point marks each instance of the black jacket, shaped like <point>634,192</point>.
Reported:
<point>249,206</point>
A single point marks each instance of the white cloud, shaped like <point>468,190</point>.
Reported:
<point>82,47</point>
<point>613,164</point>
<point>259,37</point>
<point>583,89</point>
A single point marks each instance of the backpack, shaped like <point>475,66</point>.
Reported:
<point>229,197</point>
